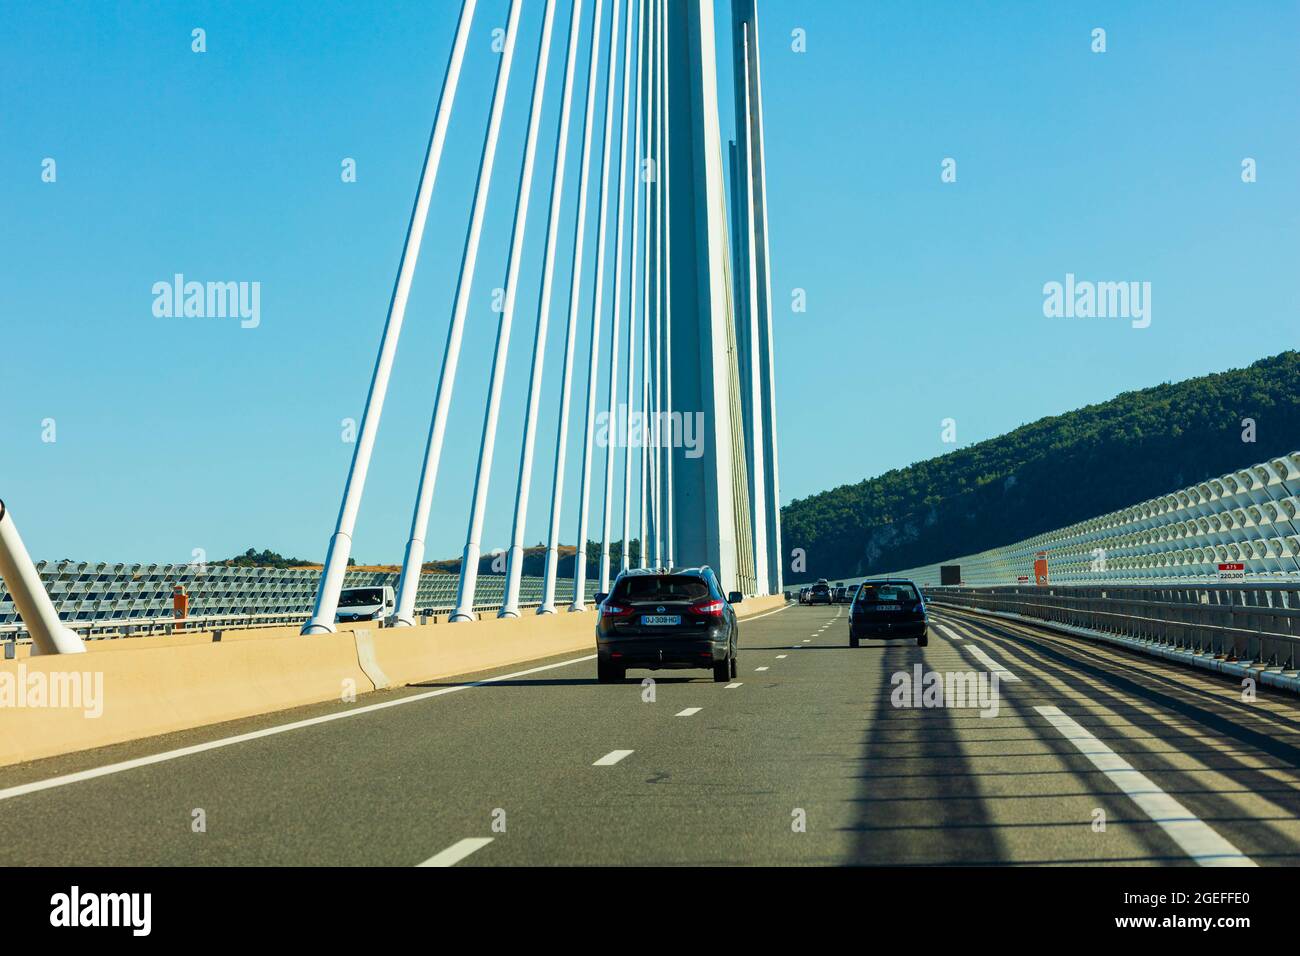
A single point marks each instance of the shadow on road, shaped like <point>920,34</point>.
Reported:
<point>920,818</point>
<point>631,681</point>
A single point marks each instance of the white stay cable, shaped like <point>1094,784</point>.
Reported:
<point>575,293</point>
<point>593,364</point>
<point>515,561</point>
<point>340,546</point>
<point>473,540</point>
<point>613,429</point>
<point>409,582</point>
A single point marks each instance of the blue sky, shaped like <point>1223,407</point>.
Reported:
<point>924,297</point>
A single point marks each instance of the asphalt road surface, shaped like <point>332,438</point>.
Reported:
<point>1094,756</point>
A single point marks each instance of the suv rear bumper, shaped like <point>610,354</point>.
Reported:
<point>890,629</point>
<point>662,654</point>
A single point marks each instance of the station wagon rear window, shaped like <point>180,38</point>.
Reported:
<point>887,594</point>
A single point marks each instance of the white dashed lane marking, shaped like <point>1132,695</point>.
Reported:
<point>611,758</point>
<point>990,663</point>
<point>457,851</point>
<point>689,712</point>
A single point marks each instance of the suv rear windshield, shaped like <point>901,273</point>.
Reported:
<point>671,587</point>
<point>887,594</point>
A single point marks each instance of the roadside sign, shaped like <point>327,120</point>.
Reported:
<point>1232,571</point>
<point>1040,569</point>
<point>1023,579</point>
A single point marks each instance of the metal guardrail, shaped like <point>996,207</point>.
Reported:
<point>1251,623</point>
<point>109,628</point>
<point>85,593</point>
<point>115,628</point>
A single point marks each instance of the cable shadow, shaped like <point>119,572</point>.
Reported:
<point>945,819</point>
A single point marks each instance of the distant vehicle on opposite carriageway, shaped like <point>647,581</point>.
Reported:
<point>366,604</point>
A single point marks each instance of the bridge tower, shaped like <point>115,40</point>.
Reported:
<point>697,307</point>
<point>725,504</point>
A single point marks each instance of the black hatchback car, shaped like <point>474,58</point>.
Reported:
<point>888,609</point>
<point>676,618</point>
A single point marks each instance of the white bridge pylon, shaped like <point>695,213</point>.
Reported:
<point>687,260</point>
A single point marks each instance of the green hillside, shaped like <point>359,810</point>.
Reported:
<point>1135,446</point>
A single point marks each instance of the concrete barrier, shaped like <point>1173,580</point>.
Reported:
<point>59,704</point>
<point>132,688</point>
<point>761,605</point>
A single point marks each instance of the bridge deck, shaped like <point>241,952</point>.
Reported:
<point>714,775</point>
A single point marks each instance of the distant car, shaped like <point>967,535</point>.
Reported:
<point>888,610</point>
<point>803,595</point>
<point>677,618</point>
<point>366,604</point>
<point>819,593</point>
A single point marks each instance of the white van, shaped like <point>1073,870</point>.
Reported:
<point>366,604</point>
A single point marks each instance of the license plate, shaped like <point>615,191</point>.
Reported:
<point>661,619</point>
<point>889,607</point>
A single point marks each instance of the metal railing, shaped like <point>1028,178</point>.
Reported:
<point>1245,623</point>
<point>112,599</point>
<point>157,625</point>
<point>152,626</point>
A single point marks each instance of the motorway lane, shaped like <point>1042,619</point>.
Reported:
<point>1234,764</point>
<point>813,736</point>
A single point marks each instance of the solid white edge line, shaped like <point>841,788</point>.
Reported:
<point>1196,838</point>
<point>112,768</point>
<point>688,712</point>
<point>990,663</point>
<point>766,614</point>
<point>613,757</point>
<point>457,851</point>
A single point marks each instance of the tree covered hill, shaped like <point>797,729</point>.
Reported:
<point>1048,473</point>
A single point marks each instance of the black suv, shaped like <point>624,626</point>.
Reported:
<point>888,609</point>
<point>819,593</point>
<point>666,619</point>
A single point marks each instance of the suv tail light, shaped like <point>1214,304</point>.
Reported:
<point>614,610</point>
<point>708,608</point>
